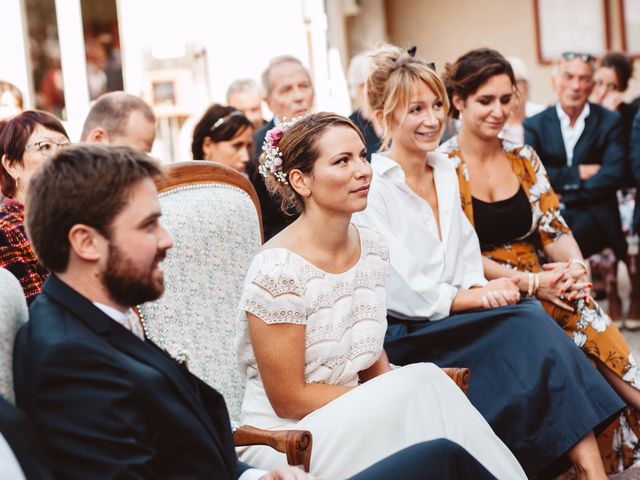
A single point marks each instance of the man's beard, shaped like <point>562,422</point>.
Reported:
<point>127,284</point>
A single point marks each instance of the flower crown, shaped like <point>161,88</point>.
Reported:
<point>272,156</point>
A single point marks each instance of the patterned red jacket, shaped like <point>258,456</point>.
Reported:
<point>16,255</point>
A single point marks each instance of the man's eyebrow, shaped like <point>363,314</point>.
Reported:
<point>148,218</point>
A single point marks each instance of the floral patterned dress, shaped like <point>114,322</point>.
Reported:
<point>589,326</point>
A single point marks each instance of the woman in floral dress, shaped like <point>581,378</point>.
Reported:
<point>520,232</point>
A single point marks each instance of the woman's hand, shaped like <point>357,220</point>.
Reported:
<point>499,292</point>
<point>550,286</point>
<point>574,284</point>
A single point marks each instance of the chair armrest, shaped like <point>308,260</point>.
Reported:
<point>460,376</point>
<point>295,443</point>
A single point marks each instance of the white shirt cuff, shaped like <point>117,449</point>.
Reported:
<point>252,474</point>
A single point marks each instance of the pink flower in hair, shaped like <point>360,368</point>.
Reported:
<point>274,136</point>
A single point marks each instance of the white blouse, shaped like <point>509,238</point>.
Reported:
<point>344,314</point>
<point>426,272</point>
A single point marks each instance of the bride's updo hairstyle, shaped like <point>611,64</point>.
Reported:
<point>471,70</point>
<point>393,75</point>
<point>297,149</point>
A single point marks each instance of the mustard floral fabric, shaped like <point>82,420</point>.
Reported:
<point>590,327</point>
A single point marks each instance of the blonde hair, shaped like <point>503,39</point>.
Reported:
<point>393,75</point>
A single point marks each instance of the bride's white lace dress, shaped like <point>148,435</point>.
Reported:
<point>345,323</point>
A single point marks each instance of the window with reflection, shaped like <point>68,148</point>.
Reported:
<point>44,56</point>
<point>102,46</point>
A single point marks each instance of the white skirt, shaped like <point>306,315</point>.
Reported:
<point>406,406</point>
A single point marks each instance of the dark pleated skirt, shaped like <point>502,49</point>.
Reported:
<point>537,390</point>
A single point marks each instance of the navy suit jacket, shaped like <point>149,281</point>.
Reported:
<point>107,405</point>
<point>274,220</point>
<point>18,433</point>
<point>601,143</point>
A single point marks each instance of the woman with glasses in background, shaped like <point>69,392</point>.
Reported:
<point>26,141</point>
<point>223,135</point>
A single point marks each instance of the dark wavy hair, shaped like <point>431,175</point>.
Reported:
<point>233,122</point>
<point>622,65</point>
<point>14,135</point>
<point>471,70</point>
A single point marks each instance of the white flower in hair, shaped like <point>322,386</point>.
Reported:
<point>272,156</point>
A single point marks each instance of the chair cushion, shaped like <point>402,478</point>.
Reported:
<point>216,233</point>
<point>13,313</point>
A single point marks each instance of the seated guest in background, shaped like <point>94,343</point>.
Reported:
<point>505,193</point>
<point>356,77</point>
<point>26,140</point>
<point>11,102</point>
<point>224,135</point>
<point>244,95</point>
<point>522,106</point>
<point>289,94</point>
<point>315,295</point>
<point>105,401</point>
<point>119,118</point>
<point>581,145</point>
<point>610,82</point>
<point>528,378</point>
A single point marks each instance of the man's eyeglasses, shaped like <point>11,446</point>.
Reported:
<point>46,147</point>
<point>585,57</point>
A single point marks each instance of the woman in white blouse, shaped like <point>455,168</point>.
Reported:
<point>527,378</point>
<point>313,319</point>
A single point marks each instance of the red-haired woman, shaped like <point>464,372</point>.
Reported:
<point>26,140</point>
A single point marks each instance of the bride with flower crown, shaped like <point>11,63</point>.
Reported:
<point>312,320</point>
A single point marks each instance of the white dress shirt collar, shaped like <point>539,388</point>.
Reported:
<point>9,467</point>
<point>571,134</point>
<point>114,313</point>
<point>426,271</point>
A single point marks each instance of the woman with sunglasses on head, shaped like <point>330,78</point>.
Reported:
<point>26,140</point>
<point>527,378</point>
<point>223,135</point>
<point>506,195</point>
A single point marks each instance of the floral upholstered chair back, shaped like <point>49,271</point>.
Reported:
<point>212,213</point>
<point>13,313</point>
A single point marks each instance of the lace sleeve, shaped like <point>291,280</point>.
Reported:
<point>273,293</point>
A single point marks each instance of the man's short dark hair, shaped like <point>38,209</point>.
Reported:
<point>111,112</point>
<point>84,184</point>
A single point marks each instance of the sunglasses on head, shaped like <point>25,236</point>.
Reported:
<point>585,57</point>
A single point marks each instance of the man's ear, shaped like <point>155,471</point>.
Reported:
<point>458,102</point>
<point>300,183</point>
<point>86,242</point>
<point>98,135</point>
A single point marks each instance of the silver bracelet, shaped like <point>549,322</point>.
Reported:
<point>579,262</point>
